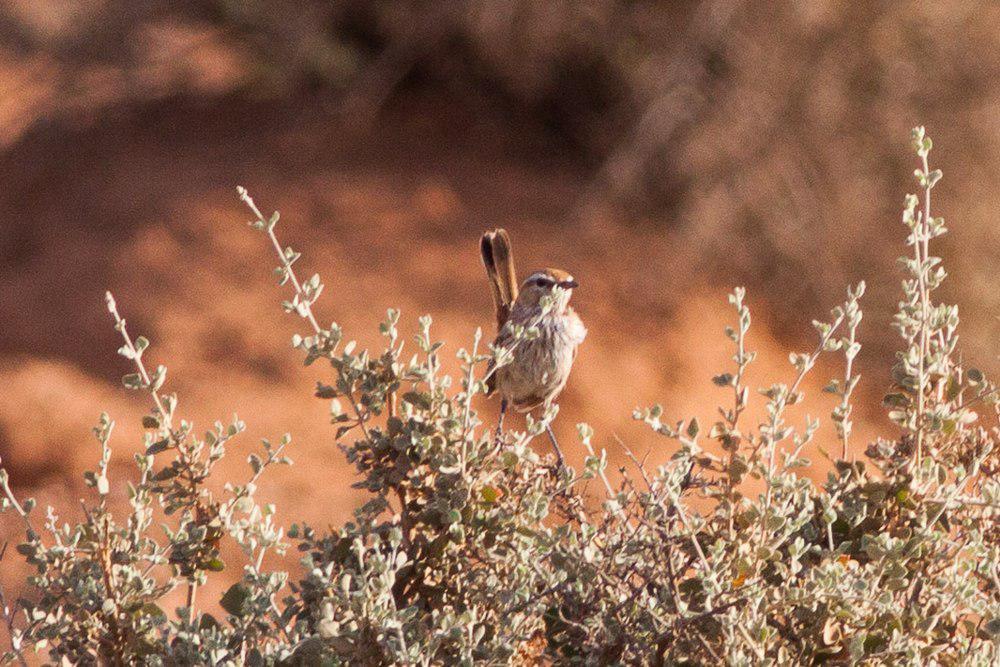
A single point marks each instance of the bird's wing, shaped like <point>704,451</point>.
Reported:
<point>503,339</point>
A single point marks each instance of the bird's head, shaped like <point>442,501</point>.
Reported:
<point>554,283</point>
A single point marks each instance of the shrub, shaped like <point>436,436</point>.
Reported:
<point>474,549</point>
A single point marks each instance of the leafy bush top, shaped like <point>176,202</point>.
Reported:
<point>473,549</point>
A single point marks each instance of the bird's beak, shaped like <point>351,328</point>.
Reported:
<point>569,284</point>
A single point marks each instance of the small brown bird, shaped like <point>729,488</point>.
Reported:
<point>540,365</point>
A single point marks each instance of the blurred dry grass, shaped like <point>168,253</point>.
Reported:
<point>661,151</point>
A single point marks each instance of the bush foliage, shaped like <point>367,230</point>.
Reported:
<point>474,549</point>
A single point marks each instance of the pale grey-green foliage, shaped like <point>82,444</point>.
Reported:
<point>474,550</point>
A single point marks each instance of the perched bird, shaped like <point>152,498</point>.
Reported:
<point>540,365</point>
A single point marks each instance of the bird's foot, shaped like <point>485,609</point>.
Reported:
<point>558,467</point>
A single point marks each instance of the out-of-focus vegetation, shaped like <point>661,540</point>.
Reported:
<point>758,132</point>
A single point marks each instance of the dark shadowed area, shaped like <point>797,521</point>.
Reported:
<point>663,152</point>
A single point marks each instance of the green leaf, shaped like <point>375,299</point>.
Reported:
<point>235,599</point>
<point>214,565</point>
<point>723,380</point>
<point>132,381</point>
<point>490,494</point>
<point>208,622</point>
<point>151,610</point>
<point>737,468</point>
<point>158,446</point>
<point>418,399</point>
<point>325,391</point>
<point>159,377</point>
<point>165,474</point>
<point>896,400</point>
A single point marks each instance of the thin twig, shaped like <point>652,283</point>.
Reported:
<point>470,380</point>
<point>921,250</point>
<point>9,493</point>
<point>304,304</point>
<point>166,422</point>
<point>777,413</point>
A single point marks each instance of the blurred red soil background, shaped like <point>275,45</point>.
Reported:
<point>663,152</point>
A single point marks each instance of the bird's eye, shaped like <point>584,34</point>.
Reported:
<point>541,282</point>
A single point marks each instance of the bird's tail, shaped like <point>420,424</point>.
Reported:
<point>499,262</point>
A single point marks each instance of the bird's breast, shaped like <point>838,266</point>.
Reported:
<point>541,365</point>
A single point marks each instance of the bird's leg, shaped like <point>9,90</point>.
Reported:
<point>555,444</point>
<point>503,411</point>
